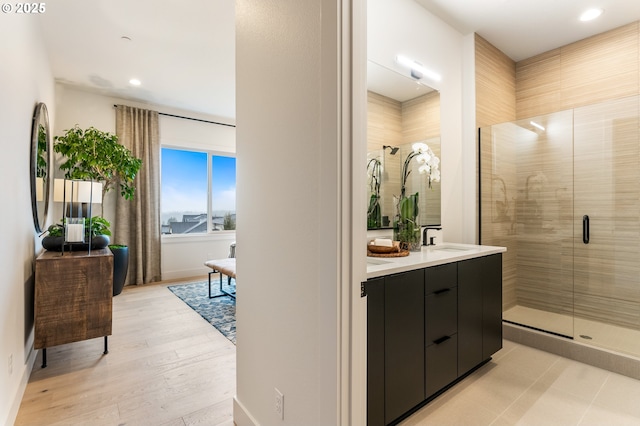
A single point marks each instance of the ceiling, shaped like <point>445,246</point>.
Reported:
<point>183,51</point>
<point>524,28</point>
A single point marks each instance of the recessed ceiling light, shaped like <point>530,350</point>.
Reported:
<point>135,82</point>
<point>591,14</point>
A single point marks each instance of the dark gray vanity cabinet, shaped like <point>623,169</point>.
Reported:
<point>426,329</point>
<point>479,310</point>
<point>375,351</point>
<point>491,305</point>
<point>404,343</point>
<point>441,327</point>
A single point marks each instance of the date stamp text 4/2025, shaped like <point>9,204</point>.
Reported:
<point>23,8</point>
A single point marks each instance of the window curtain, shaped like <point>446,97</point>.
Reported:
<point>138,220</point>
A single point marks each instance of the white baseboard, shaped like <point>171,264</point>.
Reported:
<point>241,416</point>
<point>17,400</point>
<point>185,273</point>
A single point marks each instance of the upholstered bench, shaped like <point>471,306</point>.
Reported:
<point>223,267</point>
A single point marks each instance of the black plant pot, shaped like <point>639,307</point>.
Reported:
<point>55,243</point>
<point>120,267</point>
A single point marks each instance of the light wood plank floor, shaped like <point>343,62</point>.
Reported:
<point>166,366</point>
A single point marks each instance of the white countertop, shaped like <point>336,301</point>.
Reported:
<point>428,256</point>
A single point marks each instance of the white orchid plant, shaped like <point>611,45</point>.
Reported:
<point>428,162</point>
<point>406,227</point>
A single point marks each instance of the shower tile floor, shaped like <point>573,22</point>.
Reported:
<point>606,336</point>
<point>526,386</point>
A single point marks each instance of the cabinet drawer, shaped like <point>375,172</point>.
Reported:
<point>441,314</point>
<point>440,277</point>
<point>441,364</point>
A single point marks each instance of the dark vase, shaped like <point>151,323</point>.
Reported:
<point>52,243</point>
<point>100,241</point>
<point>120,267</point>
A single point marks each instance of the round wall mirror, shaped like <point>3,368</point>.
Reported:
<point>40,166</point>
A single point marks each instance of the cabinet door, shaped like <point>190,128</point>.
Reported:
<point>440,362</point>
<point>479,310</point>
<point>404,343</point>
<point>470,326</point>
<point>73,297</point>
<point>441,314</point>
<point>440,277</point>
<point>375,351</point>
<point>492,305</point>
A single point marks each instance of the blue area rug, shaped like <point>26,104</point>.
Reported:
<point>220,312</point>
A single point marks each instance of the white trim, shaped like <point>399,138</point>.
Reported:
<point>189,238</point>
<point>24,380</point>
<point>354,305</point>
<point>242,417</point>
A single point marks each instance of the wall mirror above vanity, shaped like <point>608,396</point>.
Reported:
<point>40,168</point>
<point>402,110</point>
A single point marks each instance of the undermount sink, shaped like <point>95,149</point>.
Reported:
<point>376,261</point>
<point>451,248</point>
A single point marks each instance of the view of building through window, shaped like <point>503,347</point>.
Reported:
<point>185,191</point>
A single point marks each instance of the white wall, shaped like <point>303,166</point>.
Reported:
<point>182,256</point>
<point>405,27</point>
<point>25,79</point>
<point>291,227</point>
<point>279,319</point>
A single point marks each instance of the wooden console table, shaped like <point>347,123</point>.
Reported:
<point>73,298</point>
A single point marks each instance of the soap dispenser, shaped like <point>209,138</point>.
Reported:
<point>432,235</point>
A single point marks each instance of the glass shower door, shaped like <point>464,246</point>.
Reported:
<point>607,224</point>
<point>527,206</point>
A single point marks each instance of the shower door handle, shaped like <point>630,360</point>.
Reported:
<point>585,229</point>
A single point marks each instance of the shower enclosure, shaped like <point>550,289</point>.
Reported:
<point>562,193</point>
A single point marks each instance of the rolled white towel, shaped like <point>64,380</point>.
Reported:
<point>383,242</point>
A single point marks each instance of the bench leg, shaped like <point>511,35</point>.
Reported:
<point>223,291</point>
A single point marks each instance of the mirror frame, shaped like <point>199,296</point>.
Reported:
<point>40,208</point>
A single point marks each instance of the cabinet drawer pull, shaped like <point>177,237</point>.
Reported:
<point>444,290</point>
<point>441,340</point>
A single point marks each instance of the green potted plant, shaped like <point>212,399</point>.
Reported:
<point>95,155</point>
<point>96,230</point>
<point>92,154</point>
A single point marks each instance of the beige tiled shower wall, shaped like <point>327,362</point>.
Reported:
<point>586,73</point>
<point>596,69</point>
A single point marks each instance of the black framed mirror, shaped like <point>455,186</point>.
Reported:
<point>40,166</point>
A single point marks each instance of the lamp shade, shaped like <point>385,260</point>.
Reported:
<point>77,191</point>
<point>39,189</point>
<point>89,192</point>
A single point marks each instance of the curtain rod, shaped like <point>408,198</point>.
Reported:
<point>193,119</point>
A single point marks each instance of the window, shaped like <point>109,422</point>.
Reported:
<point>187,191</point>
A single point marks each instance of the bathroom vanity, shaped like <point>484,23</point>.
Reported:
<point>432,318</point>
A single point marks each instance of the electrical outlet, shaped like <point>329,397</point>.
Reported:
<point>11,364</point>
<point>279,404</point>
